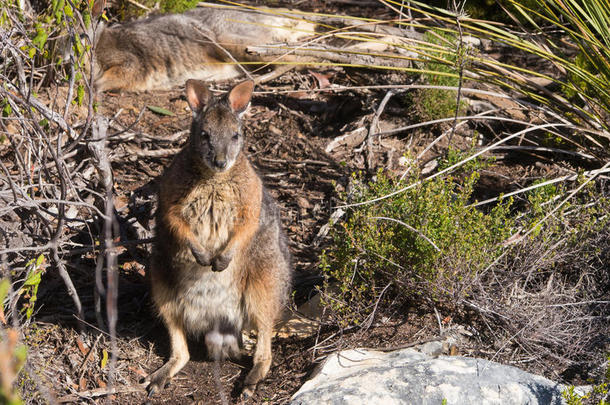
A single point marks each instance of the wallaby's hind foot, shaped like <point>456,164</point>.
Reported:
<point>258,372</point>
<point>262,354</point>
<point>159,380</point>
<point>178,358</point>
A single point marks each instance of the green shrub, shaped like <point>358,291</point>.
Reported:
<point>445,242</point>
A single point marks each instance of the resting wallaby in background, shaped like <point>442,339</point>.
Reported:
<point>163,51</point>
<point>221,260</point>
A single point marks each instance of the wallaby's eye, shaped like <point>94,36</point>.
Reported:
<point>236,136</point>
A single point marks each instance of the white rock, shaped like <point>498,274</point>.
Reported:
<point>411,377</point>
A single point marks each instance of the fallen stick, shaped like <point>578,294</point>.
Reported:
<point>100,392</point>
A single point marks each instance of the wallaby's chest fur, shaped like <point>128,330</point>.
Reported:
<point>208,299</point>
<point>211,207</point>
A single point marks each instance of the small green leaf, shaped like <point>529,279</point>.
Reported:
<point>33,278</point>
<point>4,286</point>
<point>104,358</point>
<point>80,94</point>
<point>39,260</point>
<point>87,18</point>
<point>7,109</point>
<point>21,354</point>
<point>68,10</point>
<point>159,110</point>
<point>78,45</point>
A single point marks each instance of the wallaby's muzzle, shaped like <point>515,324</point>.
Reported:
<point>220,163</point>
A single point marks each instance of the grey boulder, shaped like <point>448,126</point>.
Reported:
<point>411,377</point>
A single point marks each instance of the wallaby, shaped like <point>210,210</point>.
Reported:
<point>204,43</point>
<point>221,261</point>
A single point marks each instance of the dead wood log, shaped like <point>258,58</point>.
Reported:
<point>348,56</point>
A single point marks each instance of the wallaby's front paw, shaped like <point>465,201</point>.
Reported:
<point>221,262</point>
<point>202,257</point>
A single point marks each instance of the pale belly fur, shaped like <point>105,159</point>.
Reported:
<point>210,300</point>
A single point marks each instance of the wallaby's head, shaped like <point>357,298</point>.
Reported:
<point>216,133</point>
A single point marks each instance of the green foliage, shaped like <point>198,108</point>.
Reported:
<point>5,285</point>
<point>445,243</point>
<point>540,197</point>
<point>29,289</point>
<point>576,84</point>
<point>127,10</point>
<point>39,40</point>
<point>7,110</point>
<point>160,110</point>
<point>51,34</point>
<point>577,46</point>
<point>178,6</point>
<point>587,25</point>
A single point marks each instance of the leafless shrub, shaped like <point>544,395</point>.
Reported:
<point>547,300</point>
<point>56,187</point>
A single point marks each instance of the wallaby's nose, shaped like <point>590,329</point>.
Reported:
<point>221,164</point>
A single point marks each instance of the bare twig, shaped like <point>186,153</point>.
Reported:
<point>373,130</point>
<point>458,9</point>
<point>100,392</point>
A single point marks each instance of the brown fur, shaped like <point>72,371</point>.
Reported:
<point>163,51</point>
<point>221,260</point>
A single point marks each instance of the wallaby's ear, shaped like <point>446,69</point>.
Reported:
<point>197,95</point>
<point>239,96</point>
<point>98,8</point>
